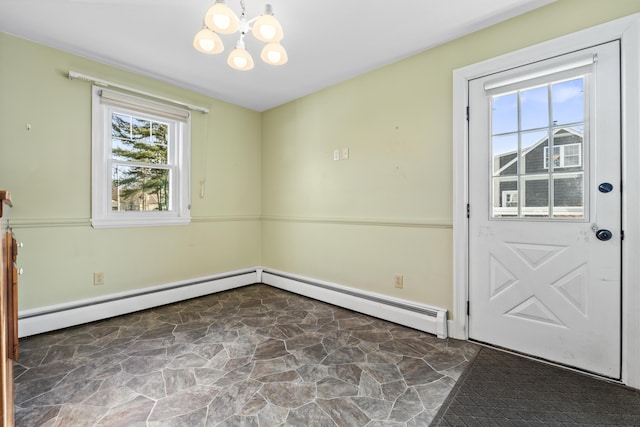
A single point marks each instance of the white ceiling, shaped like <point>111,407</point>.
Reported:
<point>327,41</point>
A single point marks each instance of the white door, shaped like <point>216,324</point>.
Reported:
<point>545,205</point>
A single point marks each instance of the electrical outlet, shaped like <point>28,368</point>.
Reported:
<point>398,281</point>
<point>98,278</point>
<point>345,153</point>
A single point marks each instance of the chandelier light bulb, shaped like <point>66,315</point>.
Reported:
<point>221,19</point>
<point>274,54</point>
<point>206,41</point>
<point>239,58</point>
<point>267,28</point>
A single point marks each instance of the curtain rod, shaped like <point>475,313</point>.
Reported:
<point>78,76</point>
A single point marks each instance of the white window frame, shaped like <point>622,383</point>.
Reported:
<point>179,121</point>
<point>562,156</point>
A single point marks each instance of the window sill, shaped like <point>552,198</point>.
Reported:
<point>138,222</point>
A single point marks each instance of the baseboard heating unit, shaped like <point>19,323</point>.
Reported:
<point>45,319</point>
<point>50,318</point>
<point>418,316</point>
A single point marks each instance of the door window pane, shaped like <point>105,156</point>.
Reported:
<point>504,113</point>
<point>531,153</point>
<point>534,106</point>
<point>567,149</point>
<point>567,100</point>
<point>539,152</point>
<point>505,197</point>
<point>505,154</point>
<point>568,195</point>
<point>535,203</point>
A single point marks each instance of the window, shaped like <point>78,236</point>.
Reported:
<point>534,123</point>
<point>510,199</point>
<point>140,162</point>
<point>564,156</point>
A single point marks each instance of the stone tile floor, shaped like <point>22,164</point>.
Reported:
<point>254,356</point>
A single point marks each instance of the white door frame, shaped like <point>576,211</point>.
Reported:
<point>627,30</point>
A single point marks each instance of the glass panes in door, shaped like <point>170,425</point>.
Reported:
<point>537,151</point>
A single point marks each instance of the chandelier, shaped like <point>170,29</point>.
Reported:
<point>220,19</point>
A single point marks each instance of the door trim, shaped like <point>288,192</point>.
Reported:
<point>627,30</point>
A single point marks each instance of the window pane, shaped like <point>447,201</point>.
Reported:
<point>568,144</point>
<point>505,198</point>
<point>138,140</point>
<point>556,157</point>
<point>505,154</point>
<point>568,101</point>
<point>159,133</point>
<point>536,197</point>
<point>141,130</point>
<point>534,104</point>
<point>120,126</point>
<point>120,148</point>
<point>510,199</point>
<point>571,155</point>
<point>568,196</point>
<point>139,189</point>
<point>527,159</point>
<point>504,113</point>
<point>533,144</point>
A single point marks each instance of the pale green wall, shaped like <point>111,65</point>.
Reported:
<point>386,210</point>
<point>48,171</point>
<point>360,221</point>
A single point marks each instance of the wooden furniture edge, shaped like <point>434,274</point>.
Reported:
<point>5,197</point>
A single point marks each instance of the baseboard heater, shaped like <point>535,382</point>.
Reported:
<point>45,319</point>
<point>50,318</point>
<point>418,316</point>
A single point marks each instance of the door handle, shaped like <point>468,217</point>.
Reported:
<point>604,235</point>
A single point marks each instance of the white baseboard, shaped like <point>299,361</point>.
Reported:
<point>456,330</point>
<point>50,318</point>
<point>418,316</point>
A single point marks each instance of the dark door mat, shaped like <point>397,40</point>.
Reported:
<point>500,389</point>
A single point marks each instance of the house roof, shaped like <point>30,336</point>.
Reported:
<point>569,130</point>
